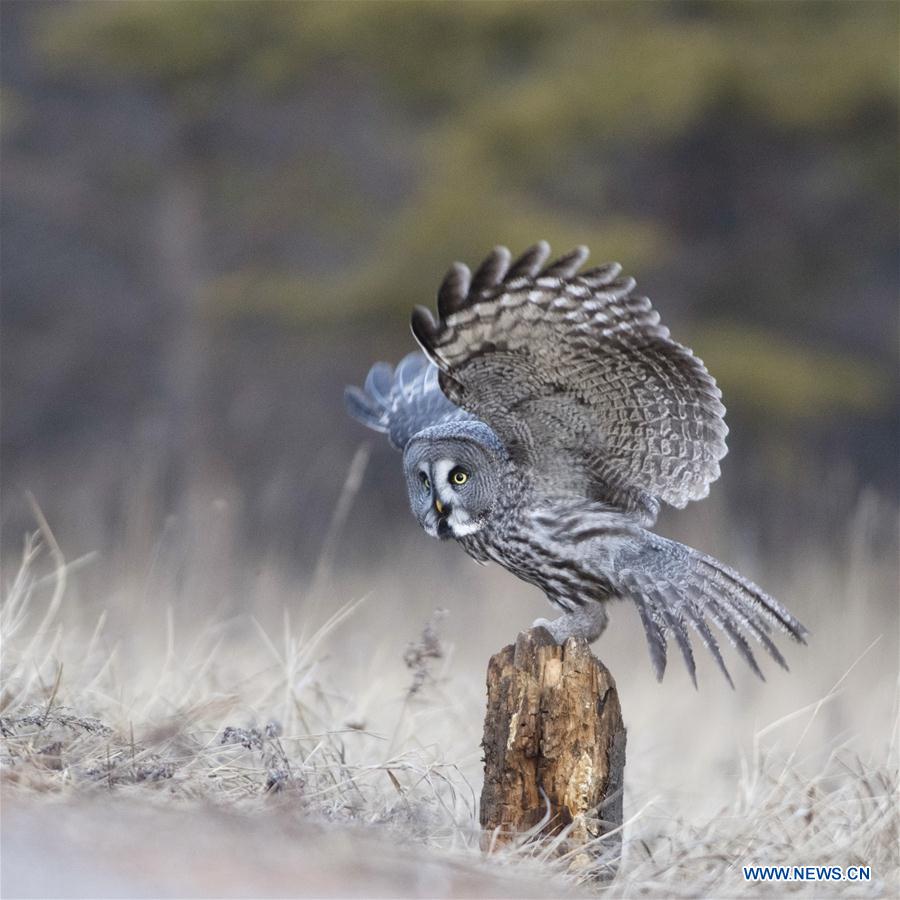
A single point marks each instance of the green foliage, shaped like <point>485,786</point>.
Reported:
<point>513,94</point>
<point>404,272</point>
<point>517,119</point>
<point>175,45</point>
<point>769,375</point>
<point>562,67</point>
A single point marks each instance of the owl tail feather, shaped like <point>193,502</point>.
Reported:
<point>676,589</point>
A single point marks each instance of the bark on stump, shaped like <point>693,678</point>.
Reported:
<point>554,746</point>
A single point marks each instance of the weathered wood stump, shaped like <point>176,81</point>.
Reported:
<point>554,746</point>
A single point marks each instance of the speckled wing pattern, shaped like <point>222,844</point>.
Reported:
<point>576,375</point>
<point>603,417</point>
<point>402,401</point>
<point>676,587</point>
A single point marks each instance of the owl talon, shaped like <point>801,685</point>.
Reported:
<point>546,421</point>
<point>587,622</point>
<point>547,625</point>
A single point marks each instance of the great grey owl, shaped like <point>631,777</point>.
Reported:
<point>548,417</point>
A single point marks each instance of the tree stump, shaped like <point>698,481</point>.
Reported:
<point>554,747</point>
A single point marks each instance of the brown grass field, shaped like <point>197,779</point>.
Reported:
<point>181,721</point>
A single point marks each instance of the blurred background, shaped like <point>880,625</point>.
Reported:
<point>216,215</point>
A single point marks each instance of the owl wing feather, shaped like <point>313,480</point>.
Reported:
<point>676,587</point>
<point>402,401</point>
<point>578,378</point>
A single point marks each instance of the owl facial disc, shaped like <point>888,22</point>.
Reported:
<point>452,481</point>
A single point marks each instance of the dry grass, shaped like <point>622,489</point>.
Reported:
<point>250,755</point>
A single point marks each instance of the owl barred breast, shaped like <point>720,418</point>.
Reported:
<point>545,420</point>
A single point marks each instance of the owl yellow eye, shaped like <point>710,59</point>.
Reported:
<point>459,476</point>
<point>426,482</point>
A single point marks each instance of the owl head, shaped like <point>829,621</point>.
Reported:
<point>452,475</point>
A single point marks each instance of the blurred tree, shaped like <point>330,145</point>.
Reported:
<point>526,118</point>
<point>318,164</point>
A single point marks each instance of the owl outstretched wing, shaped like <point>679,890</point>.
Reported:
<point>676,588</point>
<point>578,378</point>
<point>402,401</point>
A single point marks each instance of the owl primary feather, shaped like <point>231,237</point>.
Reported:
<point>548,416</point>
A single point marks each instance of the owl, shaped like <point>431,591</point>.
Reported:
<point>546,418</point>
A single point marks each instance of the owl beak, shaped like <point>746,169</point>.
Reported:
<point>438,505</point>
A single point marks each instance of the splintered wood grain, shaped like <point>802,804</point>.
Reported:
<point>554,742</point>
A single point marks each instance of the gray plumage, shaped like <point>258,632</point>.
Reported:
<point>402,401</point>
<point>549,416</point>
